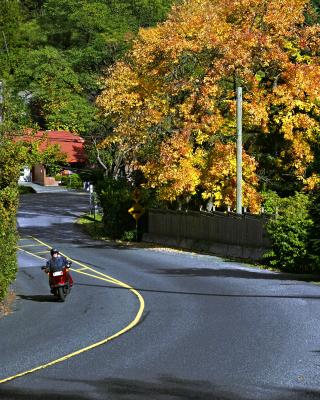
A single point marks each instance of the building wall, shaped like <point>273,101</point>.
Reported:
<point>38,174</point>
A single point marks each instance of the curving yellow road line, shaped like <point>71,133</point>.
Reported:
<point>97,275</point>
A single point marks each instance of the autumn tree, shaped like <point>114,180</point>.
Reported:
<point>179,82</point>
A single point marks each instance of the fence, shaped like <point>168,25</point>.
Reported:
<point>231,235</point>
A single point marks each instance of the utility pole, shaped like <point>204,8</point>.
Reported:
<point>239,150</point>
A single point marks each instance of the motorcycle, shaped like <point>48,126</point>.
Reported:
<point>60,281</point>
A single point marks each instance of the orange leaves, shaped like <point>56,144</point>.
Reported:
<point>283,16</point>
<point>172,103</point>
<point>302,81</point>
<point>175,172</point>
<point>219,178</point>
<point>310,40</point>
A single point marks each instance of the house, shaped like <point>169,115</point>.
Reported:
<point>70,144</point>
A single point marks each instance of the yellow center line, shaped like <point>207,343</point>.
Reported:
<point>127,328</point>
<point>84,265</point>
<point>32,254</point>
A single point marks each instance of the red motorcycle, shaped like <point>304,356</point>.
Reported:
<point>60,281</point>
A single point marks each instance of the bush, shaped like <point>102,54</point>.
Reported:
<point>72,181</point>
<point>289,234</point>
<point>314,232</point>
<point>129,236</point>
<point>25,189</point>
<point>272,202</point>
<point>58,177</point>
<point>8,238</point>
<point>115,197</point>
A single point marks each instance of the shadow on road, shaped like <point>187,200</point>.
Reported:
<point>240,295</point>
<point>38,298</point>
<point>238,273</point>
<point>164,389</point>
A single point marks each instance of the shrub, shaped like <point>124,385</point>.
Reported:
<point>72,181</point>
<point>272,202</point>
<point>129,236</point>
<point>25,189</point>
<point>314,232</point>
<point>75,181</point>
<point>58,177</point>
<point>289,234</point>
<point>115,197</point>
<point>52,169</point>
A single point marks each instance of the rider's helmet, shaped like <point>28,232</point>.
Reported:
<point>54,251</point>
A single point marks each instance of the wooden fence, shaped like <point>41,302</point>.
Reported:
<point>225,234</point>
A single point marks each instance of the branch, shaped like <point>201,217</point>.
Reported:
<point>275,82</point>
<point>98,156</point>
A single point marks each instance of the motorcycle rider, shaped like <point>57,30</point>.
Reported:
<point>57,262</point>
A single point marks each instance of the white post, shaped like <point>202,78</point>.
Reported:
<point>239,150</point>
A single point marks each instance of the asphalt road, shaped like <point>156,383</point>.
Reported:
<point>194,326</point>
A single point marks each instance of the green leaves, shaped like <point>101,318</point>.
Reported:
<point>56,98</point>
<point>54,51</point>
<point>289,233</point>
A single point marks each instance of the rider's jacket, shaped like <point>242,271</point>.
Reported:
<point>57,263</point>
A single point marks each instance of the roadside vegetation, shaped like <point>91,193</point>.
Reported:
<point>25,189</point>
<point>170,105</point>
<point>150,85</point>
<point>93,225</point>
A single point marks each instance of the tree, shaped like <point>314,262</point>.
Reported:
<point>52,53</point>
<point>174,171</point>
<point>181,76</point>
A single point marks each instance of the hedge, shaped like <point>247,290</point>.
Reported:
<point>8,238</point>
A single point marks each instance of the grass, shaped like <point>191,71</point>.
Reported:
<point>25,189</point>
<point>93,226</point>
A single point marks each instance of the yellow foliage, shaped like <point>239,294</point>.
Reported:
<point>219,178</point>
<point>174,173</point>
<point>175,94</point>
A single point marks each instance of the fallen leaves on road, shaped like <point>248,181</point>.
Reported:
<point>7,303</point>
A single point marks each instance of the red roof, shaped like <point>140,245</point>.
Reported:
<point>72,145</point>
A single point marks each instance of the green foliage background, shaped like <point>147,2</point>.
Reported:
<point>53,52</point>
